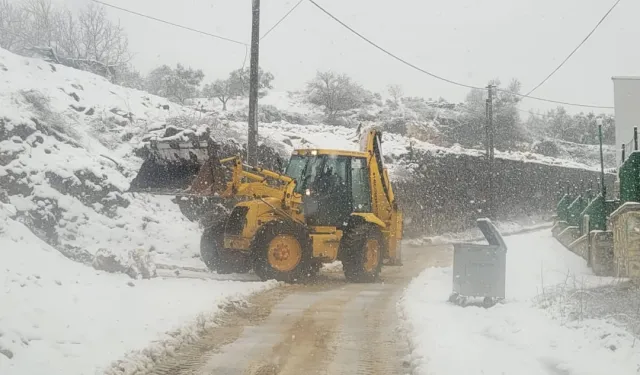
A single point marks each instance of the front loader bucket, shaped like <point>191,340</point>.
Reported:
<point>190,171</point>
<point>211,177</point>
<point>169,166</point>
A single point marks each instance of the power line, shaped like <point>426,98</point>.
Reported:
<point>391,54</point>
<point>442,78</point>
<point>170,23</point>
<point>575,49</point>
<point>282,19</point>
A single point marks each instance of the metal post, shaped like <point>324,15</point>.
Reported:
<point>635,138</point>
<point>603,186</point>
<point>486,129</point>
<point>490,148</point>
<point>623,147</point>
<point>587,229</point>
<point>252,139</point>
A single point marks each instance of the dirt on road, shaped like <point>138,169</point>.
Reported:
<point>327,327</point>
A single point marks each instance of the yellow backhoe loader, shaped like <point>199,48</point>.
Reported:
<point>327,205</point>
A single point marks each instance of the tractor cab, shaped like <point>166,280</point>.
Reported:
<point>333,184</point>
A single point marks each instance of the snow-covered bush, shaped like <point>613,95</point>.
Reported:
<point>546,147</point>
<point>137,263</point>
<point>49,120</point>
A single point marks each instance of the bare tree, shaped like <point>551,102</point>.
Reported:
<point>222,90</point>
<point>335,92</point>
<point>396,92</point>
<point>39,28</point>
<point>68,35</point>
<point>102,40</point>
<point>12,21</point>
<point>86,40</point>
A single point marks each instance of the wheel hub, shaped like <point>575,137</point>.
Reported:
<point>284,253</point>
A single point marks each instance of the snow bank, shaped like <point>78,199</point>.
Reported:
<point>516,337</point>
<point>67,141</point>
<point>505,227</point>
<point>61,317</point>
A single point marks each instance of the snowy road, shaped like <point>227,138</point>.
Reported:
<point>329,327</point>
<point>65,318</point>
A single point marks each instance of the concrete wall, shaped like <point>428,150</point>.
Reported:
<point>447,193</point>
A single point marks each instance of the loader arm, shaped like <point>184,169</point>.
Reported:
<point>372,146</point>
<point>245,181</point>
<point>385,207</point>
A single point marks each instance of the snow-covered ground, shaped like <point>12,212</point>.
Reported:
<point>59,317</point>
<point>526,334</point>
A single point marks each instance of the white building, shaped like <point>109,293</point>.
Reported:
<point>626,96</point>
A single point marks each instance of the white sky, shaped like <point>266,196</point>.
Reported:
<point>470,41</point>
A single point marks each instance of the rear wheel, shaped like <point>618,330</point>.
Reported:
<point>362,252</point>
<point>282,251</point>
<point>216,258</point>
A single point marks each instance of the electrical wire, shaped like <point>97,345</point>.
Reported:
<point>440,77</point>
<point>281,19</point>
<point>391,54</point>
<point>575,49</point>
<point>170,23</point>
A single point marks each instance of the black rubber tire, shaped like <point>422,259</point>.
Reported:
<point>305,267</point>
<point>353,252</point>
<point>216,258</point>
<point>211,243</point>
<point>488,302</point>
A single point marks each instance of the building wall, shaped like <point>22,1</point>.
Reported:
<point>627,110</point>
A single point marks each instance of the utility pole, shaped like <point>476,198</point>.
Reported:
<point>252,139</point>
<point>489,134</point>
<point>603,186</point>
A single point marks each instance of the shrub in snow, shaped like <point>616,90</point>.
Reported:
<point>137,263</point>
<point>6,352</point>
<point>141,265</point>
<point>424,131</point>
<point>193,120</point>
<point>270,114</point>
<point>49,119</point>
<point>547,147</point>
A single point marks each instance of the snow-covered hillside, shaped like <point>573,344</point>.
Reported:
<point>67,156</point>
<point>66,141</point>
<point>290,107</point>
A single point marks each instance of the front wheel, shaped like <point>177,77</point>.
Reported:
<point>211,243</point>
<point>282,251</point>
<point>216,258</point>
<point>362,253</point>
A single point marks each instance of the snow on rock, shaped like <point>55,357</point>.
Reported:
<point>517,337</point>
<point>60,317</point>
<point>137,264</point>
<point>67,141</point>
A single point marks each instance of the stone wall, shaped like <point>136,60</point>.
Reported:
<point>447,192</point>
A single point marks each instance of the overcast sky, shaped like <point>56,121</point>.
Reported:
<point>470,41</point>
